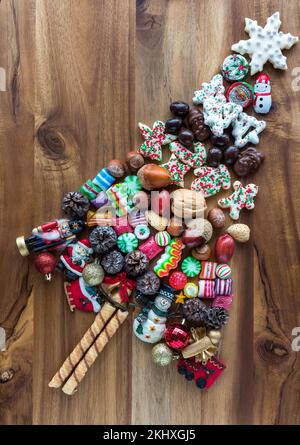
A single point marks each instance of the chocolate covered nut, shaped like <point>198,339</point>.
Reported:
<point>202,253</point>
<point>214,157</point>
<point>186,137</point>
<point>134,161</point>
<point>175,227</point>
<point>173,125</point>
<point>248,161</point>
<point>153,177</point>
<point>230,155</point>
<point>217,218</point>
<point>220,141</point>
<point>196,123</point>
<point>179,108</point>
<point>116,168</point>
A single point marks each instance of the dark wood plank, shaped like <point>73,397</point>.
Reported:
<point>84,106</point>
<point>16,207</point>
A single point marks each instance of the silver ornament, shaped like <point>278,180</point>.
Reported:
<point>93,274</point>
<point>162,355</point>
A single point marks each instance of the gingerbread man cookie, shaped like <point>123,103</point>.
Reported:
<point>211,180</point>
<point>241,198</point>
<point>177,170</point>
<point>154,139</point>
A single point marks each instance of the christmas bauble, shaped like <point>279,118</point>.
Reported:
<point>162,355</point>
<point>93,274</point>
<point>45,263</point>
<point>177,336</point>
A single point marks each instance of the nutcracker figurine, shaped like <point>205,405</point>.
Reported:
<point>78,254</point>
<point>50,236</point>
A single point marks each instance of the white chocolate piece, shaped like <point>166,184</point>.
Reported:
<point>240,129</point>
<point>265,44</point>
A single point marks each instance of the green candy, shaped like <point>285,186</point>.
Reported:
<point>127,242</point>
<point>191,267</point>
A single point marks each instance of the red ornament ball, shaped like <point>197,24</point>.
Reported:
<point>177,336</point>
<point>177,280</point>
<point>45,263</point>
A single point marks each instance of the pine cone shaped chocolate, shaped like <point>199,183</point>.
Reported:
<point>216,317</point>
<point>113,262</point>
<point>148,284</point>
<point>75,204</point>
<point>194,311</point>
<point>136,263</point>
<point>102,239</point>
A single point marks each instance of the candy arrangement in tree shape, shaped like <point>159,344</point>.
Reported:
<point>265,44</point>
<point>138,243</point>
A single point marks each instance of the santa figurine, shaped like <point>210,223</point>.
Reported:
<point>82,296</point>
<point>76,257</point>
<point>262,91</point>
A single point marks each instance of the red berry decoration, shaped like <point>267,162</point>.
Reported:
<point>177,336</point>
<point>177,280</point>
<point>45,263</point>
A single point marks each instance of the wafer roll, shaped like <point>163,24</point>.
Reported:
<point>80,349</point>
<point>99,344</point>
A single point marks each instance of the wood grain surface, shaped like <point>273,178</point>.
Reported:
<point>80,75</point>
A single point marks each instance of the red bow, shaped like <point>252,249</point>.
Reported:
<point>125,284</point>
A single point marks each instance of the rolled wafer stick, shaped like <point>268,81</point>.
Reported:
<point>99,344</point>
<point>80,349</point>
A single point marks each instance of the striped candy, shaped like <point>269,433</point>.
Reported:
<point>191,266</point>
<point>208,270</point>
<point>127,242</point>
<point>103,179</point>
<point>223,287</point>
<point>137,217</point>
<point>206,289</point>
<point>162,238</point>
<point>223,271</point>
<point>90,190</point>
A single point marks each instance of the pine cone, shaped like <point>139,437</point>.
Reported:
<point>148,284</point>
<point>113,262</point>
<point>75,204</point>
<point>102,239</point>
<point>194,311</point>
<point>136,263</point>
<point>216,317</point>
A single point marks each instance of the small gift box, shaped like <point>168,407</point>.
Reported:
<point>150,248</point>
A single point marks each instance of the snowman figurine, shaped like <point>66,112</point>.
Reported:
<point>262,91</point>
<point>150,325</point>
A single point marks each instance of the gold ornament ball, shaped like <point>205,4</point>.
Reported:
<point>93,274</point>
<point>162,355</point>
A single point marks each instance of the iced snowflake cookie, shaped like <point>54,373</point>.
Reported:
<point>265,44</point>
<point>241,133</point>
<point>241,198</point>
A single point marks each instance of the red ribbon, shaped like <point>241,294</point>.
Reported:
<point>125,284</point>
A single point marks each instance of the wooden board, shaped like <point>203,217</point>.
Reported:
<point>80,75</point>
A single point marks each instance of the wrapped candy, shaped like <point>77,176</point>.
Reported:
<point>206,289</point>
<point>223,287</point>
<point>208,270</point>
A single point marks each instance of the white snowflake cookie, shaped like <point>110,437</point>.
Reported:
<point>241,127</point>
<point>265,44</point>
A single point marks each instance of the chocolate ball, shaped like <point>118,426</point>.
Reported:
<point>230,155</point>
<point>214,157</point>
<point>173,125</point>
<point>179,108</point>
<point>220,141</point>
<point>186,137</point>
